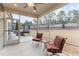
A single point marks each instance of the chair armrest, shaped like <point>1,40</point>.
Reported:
<point>33,38</point>
<point>51,42</point>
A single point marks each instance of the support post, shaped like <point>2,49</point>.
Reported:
<point>19,29</point>
<point>37,24</point>
<point>49,31</point>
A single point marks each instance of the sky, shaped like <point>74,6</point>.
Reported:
<point>66,8</point>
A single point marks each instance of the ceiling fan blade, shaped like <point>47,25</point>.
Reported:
<point>34,8</point>
<point>25,6</point>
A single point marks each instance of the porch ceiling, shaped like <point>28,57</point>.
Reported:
<point>42,9</point>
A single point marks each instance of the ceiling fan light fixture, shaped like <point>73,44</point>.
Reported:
<point>34,10</point>
<point>15,4</point>
<point>30,4</point>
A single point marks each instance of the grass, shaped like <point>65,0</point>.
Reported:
<point>71,34</point>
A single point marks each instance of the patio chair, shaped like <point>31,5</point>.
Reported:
<point>38,37</point>
<point>56,46</point>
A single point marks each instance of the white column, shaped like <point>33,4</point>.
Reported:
<point>19,29</point>
<point>37,24</point>
<point>1,32</point>
<point>49,31</point>
<point>5,31</point>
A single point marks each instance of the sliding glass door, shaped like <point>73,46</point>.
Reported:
<point>11,30</point>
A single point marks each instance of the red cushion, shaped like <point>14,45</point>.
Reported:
<point>57,41</point>
<point>51,42</point>
<point>37,40</point>
<point>51,46</point>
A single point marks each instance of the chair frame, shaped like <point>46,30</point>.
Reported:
<point>54,53</point>
<point>40,39</point>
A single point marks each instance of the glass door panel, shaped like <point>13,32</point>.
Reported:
<point>11,34</point>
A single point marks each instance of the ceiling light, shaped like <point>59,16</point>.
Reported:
<point>30,4</point>
<point>34,10</point>
<point>15,4</point>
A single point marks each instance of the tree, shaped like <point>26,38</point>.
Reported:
<point>50,19</point>
<point>62,18</point>
<point>69,16</point>
<point>40,21</point>
<point>75,16</point>
<point>29,24</point>
<point>35,21</point>
<point>23,25</point>
<point>46,20</point>
<point>53,18</point>
<point>54,21</point>
<point>17,25</point>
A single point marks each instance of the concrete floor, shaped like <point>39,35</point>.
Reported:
<point>25,48</point>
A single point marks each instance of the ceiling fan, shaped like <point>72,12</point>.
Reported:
<point>32,5</point>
